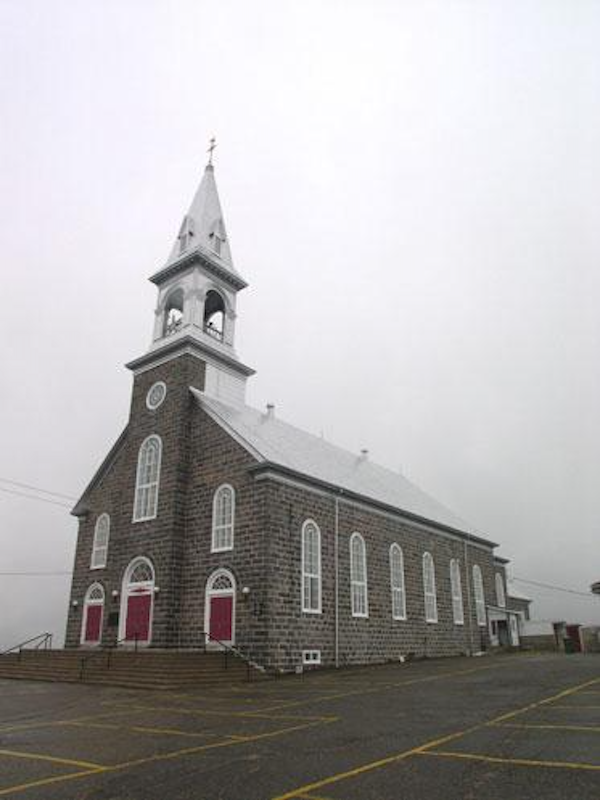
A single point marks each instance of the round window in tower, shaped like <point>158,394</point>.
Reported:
<point>156,395</point>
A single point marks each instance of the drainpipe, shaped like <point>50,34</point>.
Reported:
<point>337,574</point>
<point>469,603</point>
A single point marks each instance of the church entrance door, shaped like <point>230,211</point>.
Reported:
<point>93,610</point>
<point>220,609</point>
<point>137,601</point>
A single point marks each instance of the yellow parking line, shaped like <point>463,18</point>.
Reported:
<point>209,712</point>
<point>521,762</point>
<point>47,781</point>
<point>572,705</point>
<point>69,762</point>
<point>542,727</point>
<point>428,745</point>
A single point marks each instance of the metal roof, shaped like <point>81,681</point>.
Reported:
<point>275,442</point>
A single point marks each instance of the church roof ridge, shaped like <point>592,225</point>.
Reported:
<point>274,442</point>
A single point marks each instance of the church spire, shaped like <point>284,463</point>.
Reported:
<point>203,227</point>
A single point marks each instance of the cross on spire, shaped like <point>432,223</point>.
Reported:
<point>211,147</point>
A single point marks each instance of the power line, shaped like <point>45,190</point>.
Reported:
<point>37,489</point>
<point>552,586</point>
<point>34,497</point>
<point>34,574</point>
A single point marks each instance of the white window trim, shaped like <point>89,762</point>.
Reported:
<point>428,558</point>
<point>305,574</point>
<point>479,595</point>
<point>227,548</point>
<point>86,604</point>
<point>394,588</point>
<point>126,590</point>
<point>500,591</point>
<point>96,547</point>
<point>456,592</point>
<point>360,614</point>
<point>154,386</point>
<point>139,486</point>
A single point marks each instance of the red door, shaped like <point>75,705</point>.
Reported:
<point>93,624</point>
<point>221,618</point>
<point>137,626</point>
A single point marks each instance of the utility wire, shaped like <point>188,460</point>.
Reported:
<point>37,489</point>
<point>552,586</point>
<point>35,497</point>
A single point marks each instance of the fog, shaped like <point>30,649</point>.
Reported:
<point>411,190</point>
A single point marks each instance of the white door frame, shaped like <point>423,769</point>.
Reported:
<point>86,604</point>
<point>147,587</point>
<point>209,594</point>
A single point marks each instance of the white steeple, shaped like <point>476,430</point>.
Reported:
<point>197,293</point>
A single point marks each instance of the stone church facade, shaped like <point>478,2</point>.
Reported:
<point>212,523</point>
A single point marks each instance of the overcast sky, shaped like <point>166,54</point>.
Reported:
<point>411,190</point>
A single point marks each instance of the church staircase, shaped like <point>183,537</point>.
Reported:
<point>144,668</point>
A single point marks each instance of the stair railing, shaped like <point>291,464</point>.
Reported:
<point>229,650</point>
<point>43,641</point>
<point>107,650</point>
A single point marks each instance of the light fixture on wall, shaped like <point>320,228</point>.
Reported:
<point>245,593</point>
<point>156,589</point>
<point>74,603</point>
<point>114,594</point>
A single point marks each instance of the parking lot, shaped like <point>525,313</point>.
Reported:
<point>510,727</point>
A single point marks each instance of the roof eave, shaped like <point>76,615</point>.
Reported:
<point>287,471</point>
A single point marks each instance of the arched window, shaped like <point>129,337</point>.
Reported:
<point>100,545</point>
<point>429,591</point>
<point>173,313</point>
<point>223,518</point>
<point>147,479</point>
<point>397,582</point>
<point>214,315</point>
<point>358,576</point>
<point>500,593</point>
<point>456,587</point>
<point>311,568</point>
<point>479,595</point>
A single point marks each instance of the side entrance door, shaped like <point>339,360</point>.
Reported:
<point>221,619</point>
<point>137,627</point>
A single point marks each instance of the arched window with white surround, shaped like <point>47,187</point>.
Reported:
<point>147,479</point>
<point>358,576</point>
<point>311,568</point>
<point>500,593</point>
<point>479,595</point>
<point>100,544</point>
<point>429,590</point>
<point>458,613</point>
<point>397,582</point>
<point>223,518</point>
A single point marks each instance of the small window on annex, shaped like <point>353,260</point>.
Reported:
<point>500,593</point>
<point>223,518</point>
<point>173,313</point>
<point>214,315</point>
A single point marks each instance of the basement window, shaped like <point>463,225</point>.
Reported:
<point>311,658</point>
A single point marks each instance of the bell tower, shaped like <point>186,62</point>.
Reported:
<point>197,293</point>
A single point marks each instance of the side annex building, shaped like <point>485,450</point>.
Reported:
<point>212,523</point>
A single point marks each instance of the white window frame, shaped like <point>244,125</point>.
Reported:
<point>222,533</point>
<point>500,591</point>
<point>148,488</point>
<point>479,596</point>
<point>429,589</point>
<point>397,583</point>
<point>96,560</point>
<point>458,610</point>
<point>311,578</point>
<point>358,587</point>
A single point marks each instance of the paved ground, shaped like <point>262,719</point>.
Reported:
<point>514,728</point>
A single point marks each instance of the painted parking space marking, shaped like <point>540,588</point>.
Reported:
<point>67,762</point>
<point>521,762</point>
<point>49,781</point>
<point>433,746</point>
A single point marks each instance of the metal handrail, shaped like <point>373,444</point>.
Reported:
<point>227,649</point>
<point>43,640</point>
<point>106,650</point>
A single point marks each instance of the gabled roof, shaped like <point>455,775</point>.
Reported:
<point>283,446</point>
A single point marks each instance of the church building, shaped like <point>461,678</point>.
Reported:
<point>211,523</point>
